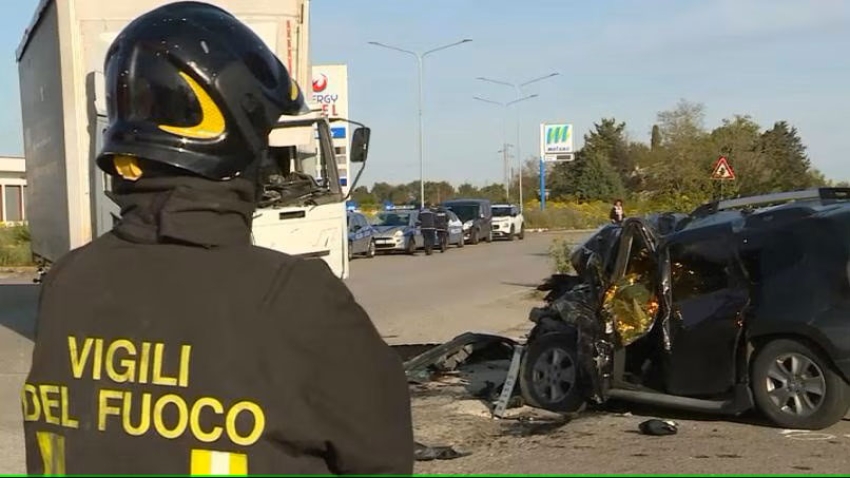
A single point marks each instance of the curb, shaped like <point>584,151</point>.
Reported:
<point>544,229</point>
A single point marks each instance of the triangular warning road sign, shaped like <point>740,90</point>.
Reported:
<point>722,170</point>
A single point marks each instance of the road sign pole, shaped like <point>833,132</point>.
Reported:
<point>542,185</point>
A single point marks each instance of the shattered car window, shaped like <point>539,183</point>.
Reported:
<point>632,300</point>
<point>695,271</point>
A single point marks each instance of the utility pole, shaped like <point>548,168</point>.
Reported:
<point>419,58</point>
<point>506,155</point>
<point>517,87</point>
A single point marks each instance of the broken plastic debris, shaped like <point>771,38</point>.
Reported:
<point>428,453</point>
<point>657,427</point>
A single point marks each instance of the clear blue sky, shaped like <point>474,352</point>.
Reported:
<point>773,59</point>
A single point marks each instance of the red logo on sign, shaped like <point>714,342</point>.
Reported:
<point>320,83</point>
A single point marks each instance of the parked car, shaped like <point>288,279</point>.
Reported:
<point>508,222</point>
<point>455,230</point>
<point>397,230</point>
<point>361,236</point>
<point>733,307</point>
<point>477,217</point>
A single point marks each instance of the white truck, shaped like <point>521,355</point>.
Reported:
<point>60,64</point>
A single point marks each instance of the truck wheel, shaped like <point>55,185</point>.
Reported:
<point>512,234</point>
<point>522,232</point>
<point>473,237</point>
<point>370,252</point>
<point>549,373</point>
<point>795,387</point>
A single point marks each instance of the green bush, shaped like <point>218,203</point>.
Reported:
<point>15,248</point>
<point>560,252</point>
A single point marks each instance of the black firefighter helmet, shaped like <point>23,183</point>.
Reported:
<point>189,86</point>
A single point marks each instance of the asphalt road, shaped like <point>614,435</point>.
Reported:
<point>485,288</point>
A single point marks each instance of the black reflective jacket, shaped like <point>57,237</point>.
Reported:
<point>173,346</point>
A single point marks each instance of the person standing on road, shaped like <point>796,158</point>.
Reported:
<point>617,215</point>
<point>172,345</point>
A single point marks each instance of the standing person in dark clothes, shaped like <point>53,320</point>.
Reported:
<point>441,222</point>
<point>172,345</point>
<point>428,226</point>
<point>617,215</point>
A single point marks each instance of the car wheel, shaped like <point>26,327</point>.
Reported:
<point>473,237</point>
<point>549,373</point>
<point>461,242</point>
<point>350,250</point>
<point>795,387</point>
<point>522,232</point>
<point>512,234</point>
<point>370,252</point>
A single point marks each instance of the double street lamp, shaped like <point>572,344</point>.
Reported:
<point>504,137</point>
<point>419,57</point>
<point>518,90</point>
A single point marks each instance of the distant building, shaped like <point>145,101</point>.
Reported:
<point>13,185</point>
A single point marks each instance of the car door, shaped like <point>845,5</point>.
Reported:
<point>708,293</point>
<point>363,236</point>
<point>455,227</point>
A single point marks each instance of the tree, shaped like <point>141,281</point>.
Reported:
<point>682,162</point>
<point>655,140</point>
<point>467,190</point>
<point>589,177</point>
<point>785,156</point>
<point>738,140</point>
<point>363,197</point>
<point>608,142</point>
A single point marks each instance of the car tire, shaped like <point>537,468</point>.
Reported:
<point>512,234</point>
<point>370,252</point>
<point>815,395</point>
<point>473,237</point>
<point>549,373</point>
<point>350,250</point>
<point>522,232</point>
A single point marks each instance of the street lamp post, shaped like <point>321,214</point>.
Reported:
<point>518,90</point>
<point>419,57</point>
<point>504,132</point>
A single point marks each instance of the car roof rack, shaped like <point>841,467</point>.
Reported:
<point>823,194</point>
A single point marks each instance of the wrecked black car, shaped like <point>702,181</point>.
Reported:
<point>742,304</point>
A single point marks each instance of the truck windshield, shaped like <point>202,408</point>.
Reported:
<point>466,212</point>
<point>300,167</point>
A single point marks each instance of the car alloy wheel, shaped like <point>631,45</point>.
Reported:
<point>796,387</point>
<point>549,373</point>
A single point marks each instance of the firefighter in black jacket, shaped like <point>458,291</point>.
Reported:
<point>171,345</point>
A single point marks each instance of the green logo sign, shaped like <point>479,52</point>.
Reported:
<point>557,138</point>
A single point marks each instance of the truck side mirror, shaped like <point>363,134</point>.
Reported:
<point>360,145</point>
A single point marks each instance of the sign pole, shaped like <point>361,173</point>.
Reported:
<point>542,184</point>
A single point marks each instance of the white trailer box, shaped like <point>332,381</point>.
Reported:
<point>62,99</point>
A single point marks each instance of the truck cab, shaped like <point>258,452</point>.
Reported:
<point>60,66</point>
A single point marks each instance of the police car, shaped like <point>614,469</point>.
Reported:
<point>397,229</point>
